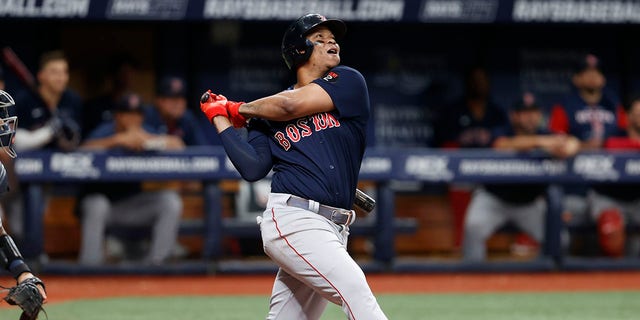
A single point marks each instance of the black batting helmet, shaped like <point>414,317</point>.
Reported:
<point>296,49</point>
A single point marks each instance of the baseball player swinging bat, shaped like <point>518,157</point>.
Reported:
<point>362,200</point>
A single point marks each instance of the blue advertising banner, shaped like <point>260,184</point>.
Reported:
<point>381,164</point>
<point>424,11</point>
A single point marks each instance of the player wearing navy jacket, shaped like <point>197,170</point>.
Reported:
<point>493,205</point>
<point>313,138</point>
<point>590,114</point>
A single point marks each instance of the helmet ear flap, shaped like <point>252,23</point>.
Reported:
<point>294,56</point>
<point>304,56</point>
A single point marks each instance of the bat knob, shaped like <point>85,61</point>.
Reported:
<point>205,97</point>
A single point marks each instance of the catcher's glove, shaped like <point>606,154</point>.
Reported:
<point>27,296</point>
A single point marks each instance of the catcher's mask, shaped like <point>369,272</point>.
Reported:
<point>8,124</point>
<point>296,48</point>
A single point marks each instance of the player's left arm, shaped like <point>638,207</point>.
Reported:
<point>290,104</point>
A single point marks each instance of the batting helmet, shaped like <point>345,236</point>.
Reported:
<point>296,49</point>
<point>8,123</point>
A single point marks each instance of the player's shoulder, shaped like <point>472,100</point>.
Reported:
<point>343,74</point>
<point>345,70</point>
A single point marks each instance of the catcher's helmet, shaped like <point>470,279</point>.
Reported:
<point>8,124</point>
<point>296,49</point>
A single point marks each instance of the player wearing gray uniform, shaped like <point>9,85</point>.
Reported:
<point>493,205</point>
<point>313,137</point>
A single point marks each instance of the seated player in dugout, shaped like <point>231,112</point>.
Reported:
<point>524,205</point>
<point>105,204</point>
<point>591,113</point>
<point>614,206</point>
<point>170,115</point>
<point>122,76</point>
<point>469,121</point>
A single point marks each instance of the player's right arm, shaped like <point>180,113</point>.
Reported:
<point>290,104</point>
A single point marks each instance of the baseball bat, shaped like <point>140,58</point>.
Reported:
<point>364,201</point>
<point>18,67</point>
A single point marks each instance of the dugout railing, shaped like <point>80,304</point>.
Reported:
<point>380,166</point>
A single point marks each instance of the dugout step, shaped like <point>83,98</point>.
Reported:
<point>412,265</point>
<point>600,263</point>
<point>591,228</point>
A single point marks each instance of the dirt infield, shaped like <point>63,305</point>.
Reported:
<point>63,288</point>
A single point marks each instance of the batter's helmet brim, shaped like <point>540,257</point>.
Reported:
<point>337,27</point>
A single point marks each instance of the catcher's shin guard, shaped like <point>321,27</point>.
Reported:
<point>10,257</point>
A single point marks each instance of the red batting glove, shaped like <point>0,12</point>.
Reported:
<point>236,118</point>
<point>213,105</point>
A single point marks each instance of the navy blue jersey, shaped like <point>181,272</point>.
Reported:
<point>186,128</point>
<point>318,157</point>
<point>513,192</point>
<point>457,127</point>
<point>33,113</point>
<point>115,191</point>
<point>96,111</point>
<point>108,129</point>
<point>586,122</point>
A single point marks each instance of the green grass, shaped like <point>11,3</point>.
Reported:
<point>495,306</point>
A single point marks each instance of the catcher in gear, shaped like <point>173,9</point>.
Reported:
<point>29,292</point>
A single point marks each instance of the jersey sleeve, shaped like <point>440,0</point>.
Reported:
<point>621,115</point>
<point>348,90</point>
<point>251,157</point>
<point>621,143</point>
<point>558,120</point>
